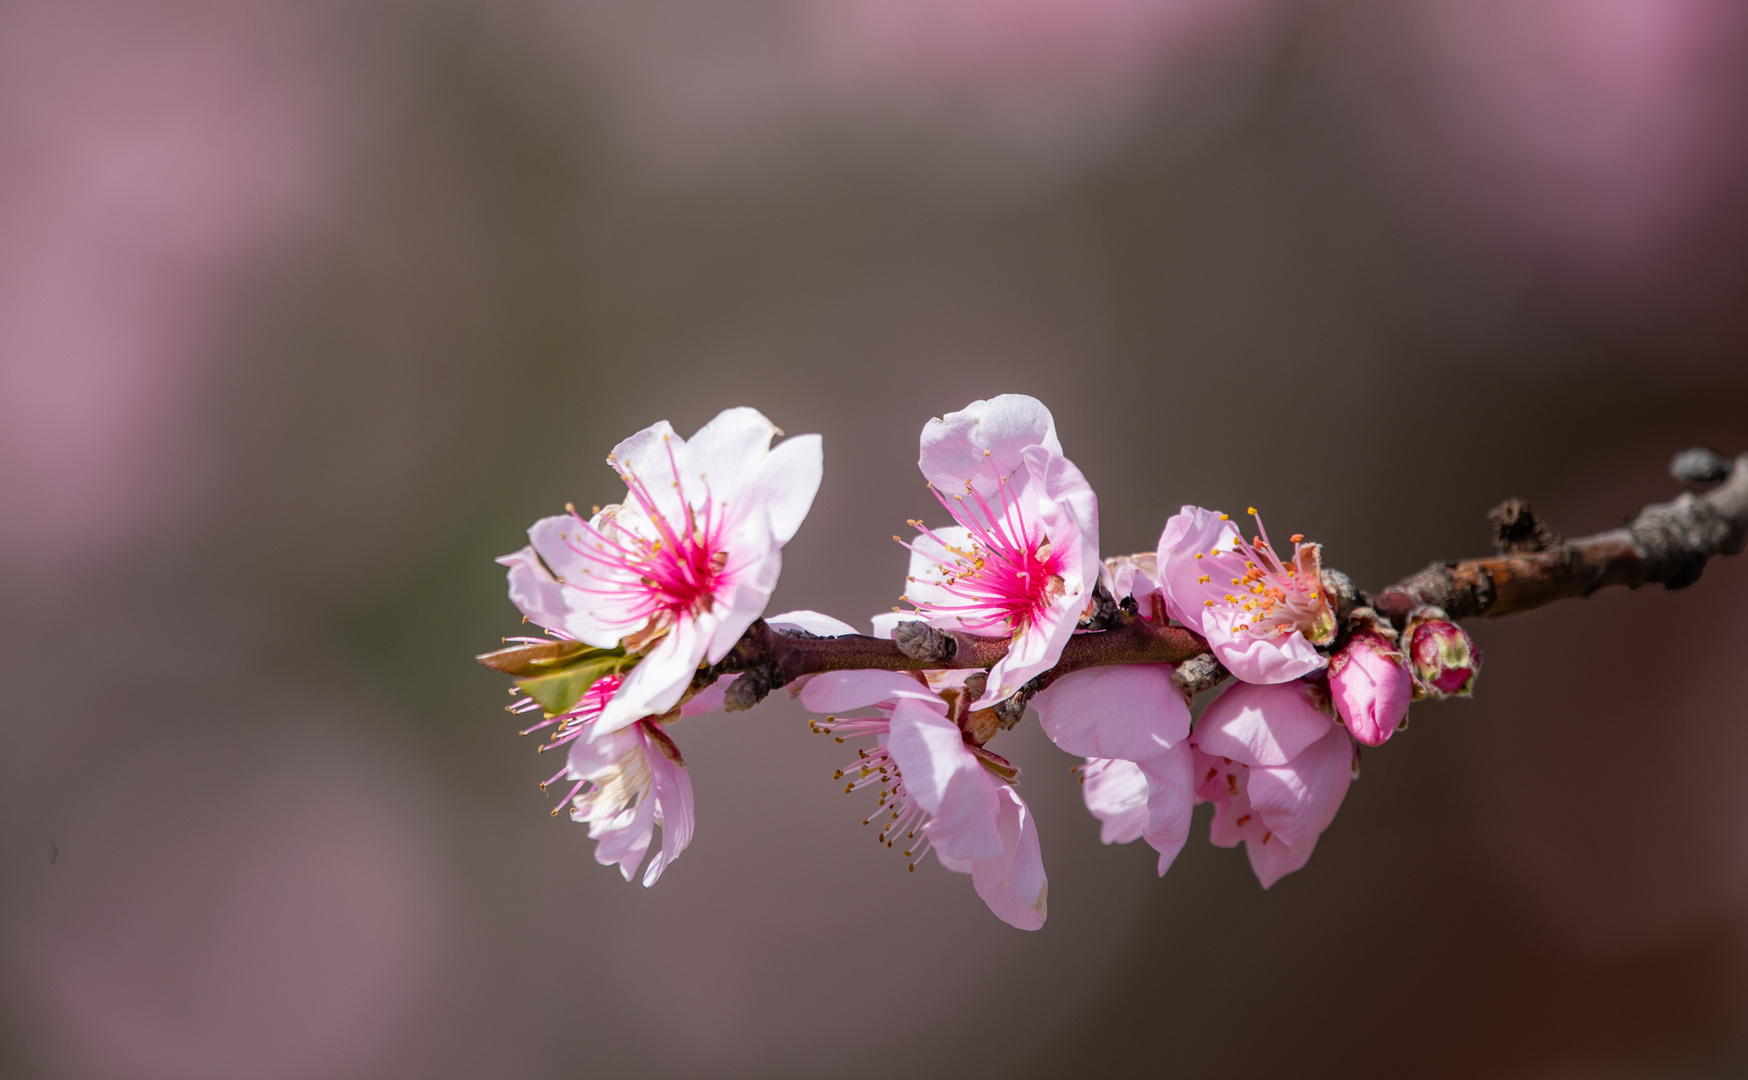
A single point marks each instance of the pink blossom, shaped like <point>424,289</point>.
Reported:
<point>1370,686</point>
<point>680,570</point>
<point>1149,799</point>
<point>938,790</point>
<point>1262,616</point>
<point>1022,559</point>
<point>635,780</point>
<point>1276,769</point>
<point>1132,726</point>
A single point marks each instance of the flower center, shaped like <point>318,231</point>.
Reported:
<point>1006,578</point>
<point>1252,590</point>
<point>675,568</point>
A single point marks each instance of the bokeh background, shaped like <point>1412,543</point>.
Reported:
<point>308,308</point>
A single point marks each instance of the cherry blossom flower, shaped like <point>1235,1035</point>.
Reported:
<point>1131,725</point>
<point>1276,769</point>
<point>938,789</point>
<point>1022,559</point>
<point>676,573</point>
<point>1370,686</point>
<point>634,778</point>
<point>1262,615</point>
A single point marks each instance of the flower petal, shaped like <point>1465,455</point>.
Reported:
<point>1129,711</point>
<point>922,583</point>
<point>754,563</point>
<point>812,622</point>
<point>726,456</point>
<point>1171,785</point>
<point>1271,860</point>
<point>1298,801</point>
<point>672,793</point>
<point>534,591</point>
<point>1190,532</point>
<point>946,779</point>
<point>1013,883</point>
<point>786,483</point>
<point>1115,792</point>
<point>656,684</point>
<point>984,440</point>
<point>841,691</point>
<point>1261,724</point>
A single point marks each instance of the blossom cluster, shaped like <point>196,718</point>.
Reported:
<point>644,601</point>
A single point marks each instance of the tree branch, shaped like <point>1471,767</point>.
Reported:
<point>1667,544</point>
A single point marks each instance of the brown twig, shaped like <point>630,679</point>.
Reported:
<point>1667,544</point>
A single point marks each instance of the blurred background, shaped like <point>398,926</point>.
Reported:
<point>309,308</point>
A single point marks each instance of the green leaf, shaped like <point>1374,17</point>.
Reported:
<point>562,689</point>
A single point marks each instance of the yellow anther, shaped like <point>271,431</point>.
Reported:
<point>1251,511</point>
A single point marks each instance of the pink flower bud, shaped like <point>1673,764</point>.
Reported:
<point>1443,656</point>
<point>1371,687</point>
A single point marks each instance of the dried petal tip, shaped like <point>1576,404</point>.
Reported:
<point>1443,657</point>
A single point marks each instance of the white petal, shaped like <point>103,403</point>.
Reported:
<point>533,590</point>
<point>656,684</point>
<point>984,440</point>
<point>786,483</point>
<point>812,622</point>
<point>727,454</point>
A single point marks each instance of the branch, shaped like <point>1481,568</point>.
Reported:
<point>1667,544</point>
<point>769,658</point>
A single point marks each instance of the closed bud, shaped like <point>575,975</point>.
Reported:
<point>1443,656</point>
<point>1370,686</point>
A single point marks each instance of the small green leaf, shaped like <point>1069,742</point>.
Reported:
<point>562,689</point>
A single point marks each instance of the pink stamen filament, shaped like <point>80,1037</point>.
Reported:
<point>1003,579</point>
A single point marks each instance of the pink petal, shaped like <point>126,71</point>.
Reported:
<point>1013,883</point>
<point>1189,532</point>
<point>724,458</point>
<point>1171,786</point>
<point>946,779</point>
<point>533,590</point>
<point>1115,792</point>
<point>1273,861</point>
<point>709,699</point>
<point>1261,724</point>
<point>841,691</point>
<point>1129,711</point>
<point>1298,801</point>
<point>982,440</point>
